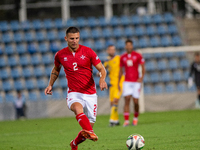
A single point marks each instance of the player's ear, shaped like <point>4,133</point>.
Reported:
<point>66,38</point>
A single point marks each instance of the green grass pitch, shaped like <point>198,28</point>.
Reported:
<point>174,130</point>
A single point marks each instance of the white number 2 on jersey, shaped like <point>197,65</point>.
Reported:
<point>75,66</point>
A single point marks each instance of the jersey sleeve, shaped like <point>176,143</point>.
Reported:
<point>57,61</point>
<point>94,58</point>
<point>141,59</point>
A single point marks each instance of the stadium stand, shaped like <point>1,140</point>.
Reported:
<point>27,50</point>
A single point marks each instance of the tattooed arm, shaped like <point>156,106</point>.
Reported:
<point>54,75</point>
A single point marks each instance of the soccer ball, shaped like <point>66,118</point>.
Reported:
<point>135,142</point>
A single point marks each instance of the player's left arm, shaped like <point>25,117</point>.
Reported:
<point>102,72</point>
<point>143,73</point>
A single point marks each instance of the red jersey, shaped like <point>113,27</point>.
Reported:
<point>131,62</point>
<point>78,68</point>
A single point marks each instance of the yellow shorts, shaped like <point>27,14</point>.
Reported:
<point>114,92</point>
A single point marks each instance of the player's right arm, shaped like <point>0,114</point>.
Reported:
<point>54,75</point>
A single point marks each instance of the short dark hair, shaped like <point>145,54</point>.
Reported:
<point>129,41</point>
<point>72,30</point>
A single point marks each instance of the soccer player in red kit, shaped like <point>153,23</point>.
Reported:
<point>129,63</point>
<point>77,61</point>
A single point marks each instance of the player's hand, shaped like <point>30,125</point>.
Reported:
<point>103,85</point>
<point>140,80</point>
<point>190,82</point>
<point>48,90</point>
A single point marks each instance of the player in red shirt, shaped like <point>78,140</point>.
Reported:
<point>129,63</point>
<point>77,61</point>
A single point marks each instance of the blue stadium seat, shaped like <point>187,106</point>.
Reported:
<point>147,56</point>
<point>9,50</point>
<point>176,40</point>
<point>162,29</point>
<point>43,47</point>
<point>177,76</point>
<point>37,24</point>
<point>159,89</point>
<point>7,85</point>
<point>129,31</point>
<point>115,21</point>
<point>99,45</point>
<point>19,85</point>
<point>47,59</point>
<point>166,76</point>
<point>33,96</point>
<point>143,42</point>
<point>146,79</point>
<point>107,33</point>
<point>29,36</point>
<point>104,93</point>
<point>27,72</point>
<point>172,29</point>
<point>26,25</point>
<point>3,61</point>
<point>63,44</point>
<point>169,55</point>
<point>155,77</point>
<point>31,84</point>
<point>21,49</point>
<point>158,55</point>
<point>151,30</point>
<point>93,22</point>
<point>71,22</point>
<point>1,99</point>
<point>36,59</point>
<point>44,97</point>
<point>9,97</point>
<point>125,20</point>
<point>89,43</point>
<point>42,83</point>
<point>102,56</point>
<point>63,82</point>
<point>58,23</point>
<point>48,70</point>
<point>180,54</point>
<point>168,18</point>
<point>32,48</point>
<point>157,19</point>
<point>162,65</point>
<point>181,87</point>
<point>170,88</point>
<point>135,43</point>
<point>14,25</point>
<point>118,32</point>
<point>185,74</point>
<point>39,71</point>
<point>120,44</point>
<point>110,41</point>
<point>96,33</point>
<point>4,26</point>
<point>62,72</point>
<point>81,22</point>
<point>140,31</point>
<point>57,94</point>
<point>148,89</point>
<point>16,73</point>
<point>7,38</point>
<point>146,19</point>
<point>103,22</point>
<point>24,60</point>
<point>136,20</point>
<point>13,61</point>
<point>173,64</point>
<point>155,41</point>
<point>95,71</point>
<point>166,41</point>
<point>18,37</point>
<point>184,63</point>
<point>61,35</point>
<point>5,73</point>
<point>48,24</point>
<point>40,36</point>
<point>151,65</point>
<point>51,35</point>
<point>54,47</point>
<point>85,34</point>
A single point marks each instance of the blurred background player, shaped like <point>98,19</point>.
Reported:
<point>129,63</point>
<point>81,98</point>
<point>195,70</point>
<point>113,65</point>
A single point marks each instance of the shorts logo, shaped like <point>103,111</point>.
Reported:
<point>70,99</point>
<point>65,58</point>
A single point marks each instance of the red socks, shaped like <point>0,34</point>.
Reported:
<point>126,116</point>
<point>79,139</point>
<point>84,122</point>
<point>136,114</point>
